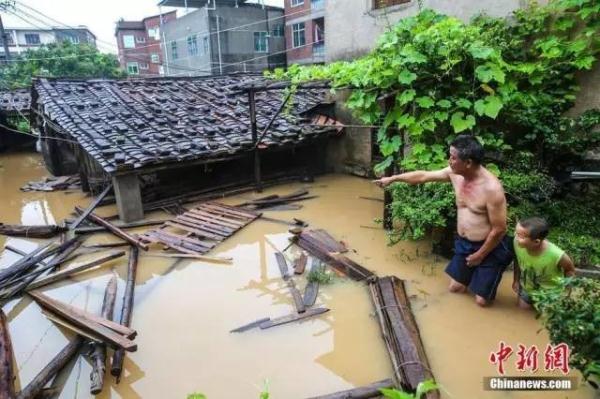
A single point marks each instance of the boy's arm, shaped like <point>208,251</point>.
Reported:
<point>567,265</point>
<point>416,177</point>
<point>516,275</point>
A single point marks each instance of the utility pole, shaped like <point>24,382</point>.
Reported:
<point>4,5</point>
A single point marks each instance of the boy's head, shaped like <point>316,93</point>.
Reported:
<point>466,153</point>
<point>531,232</point>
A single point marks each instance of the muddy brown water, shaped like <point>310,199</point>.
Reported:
<point>184,311</point>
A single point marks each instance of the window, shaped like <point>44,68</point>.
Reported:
<point>32,38</point>
<point>144,65</point>
<point>154,58</point>
<point>278,30</point>
<point>154,33</point>
<point>174,54</point>
<point>192,45</point>
<point>9,39</point>
<point>140,39</point>
<point>295,3</point>
<point>298,35</point>
<point>206,45</point>
<point>73,39</point>
<point>388,3</point>
<point>261,43</point>
<point>133,68</point>
<point>128,41</point>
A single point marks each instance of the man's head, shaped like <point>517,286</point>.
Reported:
<point>466,154</point>
<point>531,232</point>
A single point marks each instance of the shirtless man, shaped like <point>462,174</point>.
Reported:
<point>481,250</point>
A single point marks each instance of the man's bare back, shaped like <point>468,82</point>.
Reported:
<point>473,201</point>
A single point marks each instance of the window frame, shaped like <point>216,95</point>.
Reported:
<point>261,37</point>
<point>132,64</point>
<point>297,32</point>
<point>125,42</point>
<point>34,42</point>
<point>192,46</point>
<point>383,4</point>
<point>144,66</point>
<point>174,50</point>
<point>279,30</point>
<point>140,39</point>
<point>206,44</point>
<point>296,3</point>
<point>155,58</point>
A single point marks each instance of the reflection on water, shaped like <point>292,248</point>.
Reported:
<point>184,310</point>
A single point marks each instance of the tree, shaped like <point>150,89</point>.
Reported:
<point>62,59</point>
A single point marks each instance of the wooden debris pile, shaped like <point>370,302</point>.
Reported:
<point>200,229</point>
<point>54,184</point>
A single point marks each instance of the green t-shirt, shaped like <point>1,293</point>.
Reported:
<point>539,272</point>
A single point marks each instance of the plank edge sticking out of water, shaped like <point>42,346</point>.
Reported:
<point>365,392</point>
<point>292,318</point>
<point>250,326</point>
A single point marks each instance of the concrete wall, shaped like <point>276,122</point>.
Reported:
<point>236,40</point>
<point>352,27</point>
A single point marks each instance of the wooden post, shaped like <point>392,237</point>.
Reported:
<point>99,353</point>
<point>128,296</point>
<point>90,208</point>
<point>37,384</point>
<point>7,376</point>
<point>253,125</point>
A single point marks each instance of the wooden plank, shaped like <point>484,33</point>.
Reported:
<point>300,264</point>
<point>312,288</point>
<point>126,310</point>
<point>98,355</point>
<point>61,322</point>
<point>122,226</point>
<point>7,373</point>
<point>192,256</point>
<point>56,364</point>
<point>214,219</point>
<point>218,234</point>
<point>90,208</point>
<point>182,241</point>
<point>250,326</point>
<point>296,296</point>
<point>77,269</point>
<point>193,230</point>
<point>227,213</point>
<point>115,230</point>
<point>206,224</point>
<point>283,267</point>
<point>39,231</point>
<point>108,335</point>
<point>194,241</point>
<point>232,211</point>
<point>248,212</point>
<point>366,392</point>
<point>293,317</point>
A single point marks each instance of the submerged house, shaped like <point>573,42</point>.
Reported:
<point>157,137</point>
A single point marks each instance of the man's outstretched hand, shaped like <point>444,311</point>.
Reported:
<point>384,181</point>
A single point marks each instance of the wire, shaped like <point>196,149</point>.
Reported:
<point>37,136</point>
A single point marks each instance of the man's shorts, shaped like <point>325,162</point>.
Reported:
<point>482,280</point>
<point>524,296</point>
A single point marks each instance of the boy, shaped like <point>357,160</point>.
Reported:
<point>538,262</point>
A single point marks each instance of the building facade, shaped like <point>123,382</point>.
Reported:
<point>354,26</point>
<point>22,39</point>
<point>140,44</point>
<point>305,31</point>
<point>224,36</point>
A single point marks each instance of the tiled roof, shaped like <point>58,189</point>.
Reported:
<point>130,25</point>
<point>140,123</point>
<point>15,101</point>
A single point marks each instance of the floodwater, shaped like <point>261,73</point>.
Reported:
<point>184,311</point>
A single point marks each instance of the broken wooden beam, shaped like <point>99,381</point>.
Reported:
<point>312,288</point>
<point>25,264</point>
<point>98,356</point>
<point>366,392</point>
<point>108,245</point>
<point>126,310</point>
<point>250,326</point>
<point>81,320</point>
<point>7,373</point>
<point>114,230</point>
<point>283,267</point>
<point>38,231</point>
<point>60,360</point>
<point>401,334</point>
<point>300,264</point>
<point>204,258</point>
<point>296,296</point>
<point>122,226</point>
<point>74,270</point>
<point>292,318</point>
<point>90,208</point>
